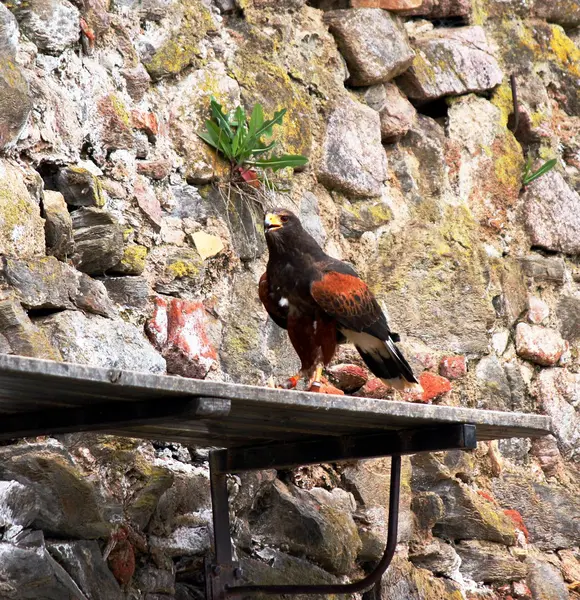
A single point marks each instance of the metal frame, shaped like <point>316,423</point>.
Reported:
<point>222,572</point>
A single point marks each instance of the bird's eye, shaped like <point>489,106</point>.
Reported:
<point>284,218</point>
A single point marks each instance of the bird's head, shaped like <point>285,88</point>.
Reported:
<point>280,221</point>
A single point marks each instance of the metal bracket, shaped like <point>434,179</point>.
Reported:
<point>221,573</point>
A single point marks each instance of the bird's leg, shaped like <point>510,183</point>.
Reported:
<point>315,382</point>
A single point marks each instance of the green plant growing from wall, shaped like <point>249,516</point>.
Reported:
<point>240,140</point>
<point>528,176</point>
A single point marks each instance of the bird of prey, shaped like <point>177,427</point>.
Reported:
<point>322,302</point>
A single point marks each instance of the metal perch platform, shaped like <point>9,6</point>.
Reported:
<point>257,428</point>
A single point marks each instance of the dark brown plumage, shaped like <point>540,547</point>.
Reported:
<point>322,302</point>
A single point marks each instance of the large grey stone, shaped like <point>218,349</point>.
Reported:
<point>98,240</point>
<point>353,160</point>
<point>552,214</point>
<point>58,226</point>
<point>79,187</point>
<point>373,42</point>
<point>83,561</point>
<point>15,101</point>
<point>94,340</point>
<point>563,12</point>
<point>128,291</point>
<point>21,228</point>
<point>546,581</point>
<point>438,9</point>
<point>22,335</point>
<point>27,572</point>
<point>65,503</point>
<point>550,513</point>
<point>543,268</point>
<point>53,25</point>
<point>293,517</point>
<point>558,395</point>
<point>436,556</point>
<point>568,312</point>
<point>493,388</point>
<point>396,112</point>
<point>540,345</point>
<point>18,507</point>
<point>488,562</point>
<point>48,284</point>
<point>450,62</point>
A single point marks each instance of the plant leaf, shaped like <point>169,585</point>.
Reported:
<point>266,128</point>
<point>219,135</point>
<point>221,119</point>
<point>256,120</point>
<point>263,148</point>
<point>547,166</point>
<point>281,162</point>
<point>208,139</point>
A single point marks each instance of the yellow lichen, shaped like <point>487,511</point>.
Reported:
<point>133,260</point>
<point>121,110</point>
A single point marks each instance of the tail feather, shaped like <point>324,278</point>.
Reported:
<point>387,362</point>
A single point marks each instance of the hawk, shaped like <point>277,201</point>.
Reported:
<point>322,302</point>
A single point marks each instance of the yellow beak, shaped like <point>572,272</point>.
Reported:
<point>272,221</point>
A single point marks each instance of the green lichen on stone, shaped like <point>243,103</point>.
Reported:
<point>133,261</point>
<point>263,80</point>
<point>182,48</point>
<point>185,264</point>
<point>121,110</point>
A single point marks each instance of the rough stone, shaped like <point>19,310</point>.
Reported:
<point>155,581</point>
<point>538,310</point>
<point>415,278</point>
<point>178,329</point>
<point>15,102</point>
<point>565,12</point>
<point>546,582</point>
<point>65,502</point>
<point>394,5</point>
<point>132,261</point>
<point>58,227</point>
<point>440,9</point>
<point>549,513</point>
<point>403,581</point>
<point>552,213</point>
<point>48,284</point>
<point>546,451</point>
<point>113,128</point>
<point>18,508</point>
<point>568,312</point>
<point>434,386</point>
<point>137,80</point>
<point>94,340</point>
<point>147,200</point>
<point>466,514</point>
<point>360,217</point>
<point>80,187</point>
<point>83,561</point>
<point>21,228</point>
<point>207,245</point>
<point>558,393</point>
<point>453,367</point>
<point>436,556</point>
<point>291,516</point>
<point>348,378</point>
<point>157,169</point>
<point>570,564</point>
<point>22,335</point>
<point>544,269</point>
<point>373,42</point>
<point>353,159</point>
<point>395,111</point>
<point>98,240</point>
<point>25,571</point>
<point>486,562</point>
<point>128,291</point>
<point>310,217</point>
<point>188,24</point>
<point>450,62</point>
<point>183,541</point>
<point>493,388</point>
<point>540,345</point>
<point>53,25</point>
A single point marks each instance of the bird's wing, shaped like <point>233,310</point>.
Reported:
<point>347,298</point>
<point>278,314</point>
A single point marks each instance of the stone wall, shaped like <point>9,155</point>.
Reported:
<point>118,250</point>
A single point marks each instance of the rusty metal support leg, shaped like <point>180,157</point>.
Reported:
<point>219,574</point>
<point>231,591</point>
